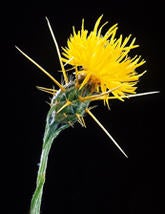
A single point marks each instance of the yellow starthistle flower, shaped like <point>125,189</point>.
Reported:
<point>102,61</point>
<point>103,70</point>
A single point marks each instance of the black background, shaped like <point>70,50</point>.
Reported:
<point>86,172</point>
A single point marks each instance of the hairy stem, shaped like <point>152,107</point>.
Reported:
<point>51,132</point>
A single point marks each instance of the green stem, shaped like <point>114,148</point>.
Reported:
<point>51,132</point>
<point>37,196</point>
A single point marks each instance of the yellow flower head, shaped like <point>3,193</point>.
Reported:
<point>102,61</point>
<point>103,71</point>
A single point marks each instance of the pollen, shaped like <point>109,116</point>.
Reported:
<point>104,60</point>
